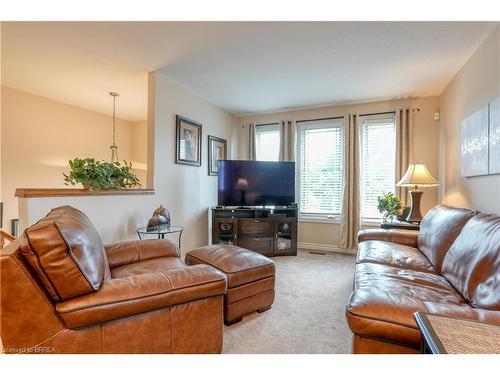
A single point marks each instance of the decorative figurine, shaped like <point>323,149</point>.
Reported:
<point>160,219</point>
<point>163,212</point>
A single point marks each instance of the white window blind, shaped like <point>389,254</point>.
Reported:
<point>267,142</point>
<point>378,161</point>
<point>320,167</point>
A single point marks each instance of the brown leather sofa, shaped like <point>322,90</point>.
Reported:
<point>62,291</point>
<point>450,267</point>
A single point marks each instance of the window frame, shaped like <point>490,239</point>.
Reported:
<point>333,122</point>
<point>386,116</point>
<point>269,125</point>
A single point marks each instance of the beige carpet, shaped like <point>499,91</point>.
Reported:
<point>308,312</point>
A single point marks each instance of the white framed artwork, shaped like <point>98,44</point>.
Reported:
<point>494,133</point>
<point>474,143</point>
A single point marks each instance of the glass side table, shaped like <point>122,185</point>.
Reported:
<point>160,233</point>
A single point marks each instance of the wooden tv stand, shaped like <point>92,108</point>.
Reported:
<point>267,231</point>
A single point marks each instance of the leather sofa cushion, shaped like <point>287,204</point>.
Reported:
<point>149,265</point>
<point>372,273</point>
<point>241,266</point>
<point>393,254</point>
<point>66,253</point>
<point>472,264</point>
<point>385,298</point>
<point>125,296</point>
<point>463,312</point>
<point>397,236</point>
<point>128,252</point>
<point>438,229</point>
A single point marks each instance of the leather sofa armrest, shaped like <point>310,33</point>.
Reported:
<point>463,312</point>
<point>127,252</point>
<point>399,236</point>
<point>122,297</point>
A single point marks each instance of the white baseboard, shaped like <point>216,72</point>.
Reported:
<point>324,247</point>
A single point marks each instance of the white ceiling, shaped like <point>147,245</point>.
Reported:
<point>243,67</point>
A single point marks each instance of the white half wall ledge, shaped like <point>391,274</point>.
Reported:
<point>116,217</point>
<point>71,192</point>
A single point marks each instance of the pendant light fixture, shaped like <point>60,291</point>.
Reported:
<point>114,147</point>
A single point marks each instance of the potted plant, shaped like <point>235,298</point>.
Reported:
<point>96,175</point>
<point>389,205</point>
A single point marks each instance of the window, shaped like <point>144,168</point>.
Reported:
<point>378,161</point>
<point>267,142</point>
<point>320,167</point>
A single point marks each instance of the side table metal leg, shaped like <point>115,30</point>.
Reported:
<point>180,234</point>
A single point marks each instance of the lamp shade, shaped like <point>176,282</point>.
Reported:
<point>242,183</point>
<point>417,175</point>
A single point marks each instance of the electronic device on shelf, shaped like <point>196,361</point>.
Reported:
<point>256,206</point>
<point>248,183</point>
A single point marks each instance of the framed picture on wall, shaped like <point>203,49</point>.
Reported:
<point>187,142</point>
<point>474,143</point>
<point>217,150</point>
<point>495,136</point>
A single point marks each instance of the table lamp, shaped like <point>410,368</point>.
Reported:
<point>417,175</point>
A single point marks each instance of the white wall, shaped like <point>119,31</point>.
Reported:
<point>40,135</point>
<point>476,84</point>
<point>185,190</point>
<point>1,122</point>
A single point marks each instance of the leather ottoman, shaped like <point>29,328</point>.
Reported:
<point>250,278</point>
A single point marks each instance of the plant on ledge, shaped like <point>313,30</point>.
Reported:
<point>389,205</point>
<point>96,175</point>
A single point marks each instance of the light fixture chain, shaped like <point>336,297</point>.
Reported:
<point>114,147</point>
<point>114,124</point>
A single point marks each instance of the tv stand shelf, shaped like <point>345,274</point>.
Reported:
<point>269,231</point>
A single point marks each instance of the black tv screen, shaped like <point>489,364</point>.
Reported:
<point>256,183</point>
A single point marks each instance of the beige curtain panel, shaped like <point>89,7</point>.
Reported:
<point>288,140</point>
<point>351,214</point>
<point>251,149</point>
<point>404,151</point>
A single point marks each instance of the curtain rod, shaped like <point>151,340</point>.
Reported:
<point>340,117</point>
<point>271,123</point>
<point>378,113</point>
<point>321,119</point>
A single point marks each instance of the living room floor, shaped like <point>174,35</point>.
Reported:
<point>308,314</point>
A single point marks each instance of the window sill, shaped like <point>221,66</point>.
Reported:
<point>374,223</point>
<point>320,219</point>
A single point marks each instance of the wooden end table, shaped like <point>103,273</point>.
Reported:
<point>448,335</point>
<point>396,224</point>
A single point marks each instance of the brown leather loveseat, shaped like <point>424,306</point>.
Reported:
<point>62,291</point>
<point>450,267</point>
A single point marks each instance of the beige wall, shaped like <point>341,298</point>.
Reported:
<point>185,190</point>
<point>139,144</point>
<point>40,135</point>
<point>425,142</point>
<point>477,83</point>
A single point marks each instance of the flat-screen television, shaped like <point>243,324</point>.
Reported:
<point>255,183</point>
